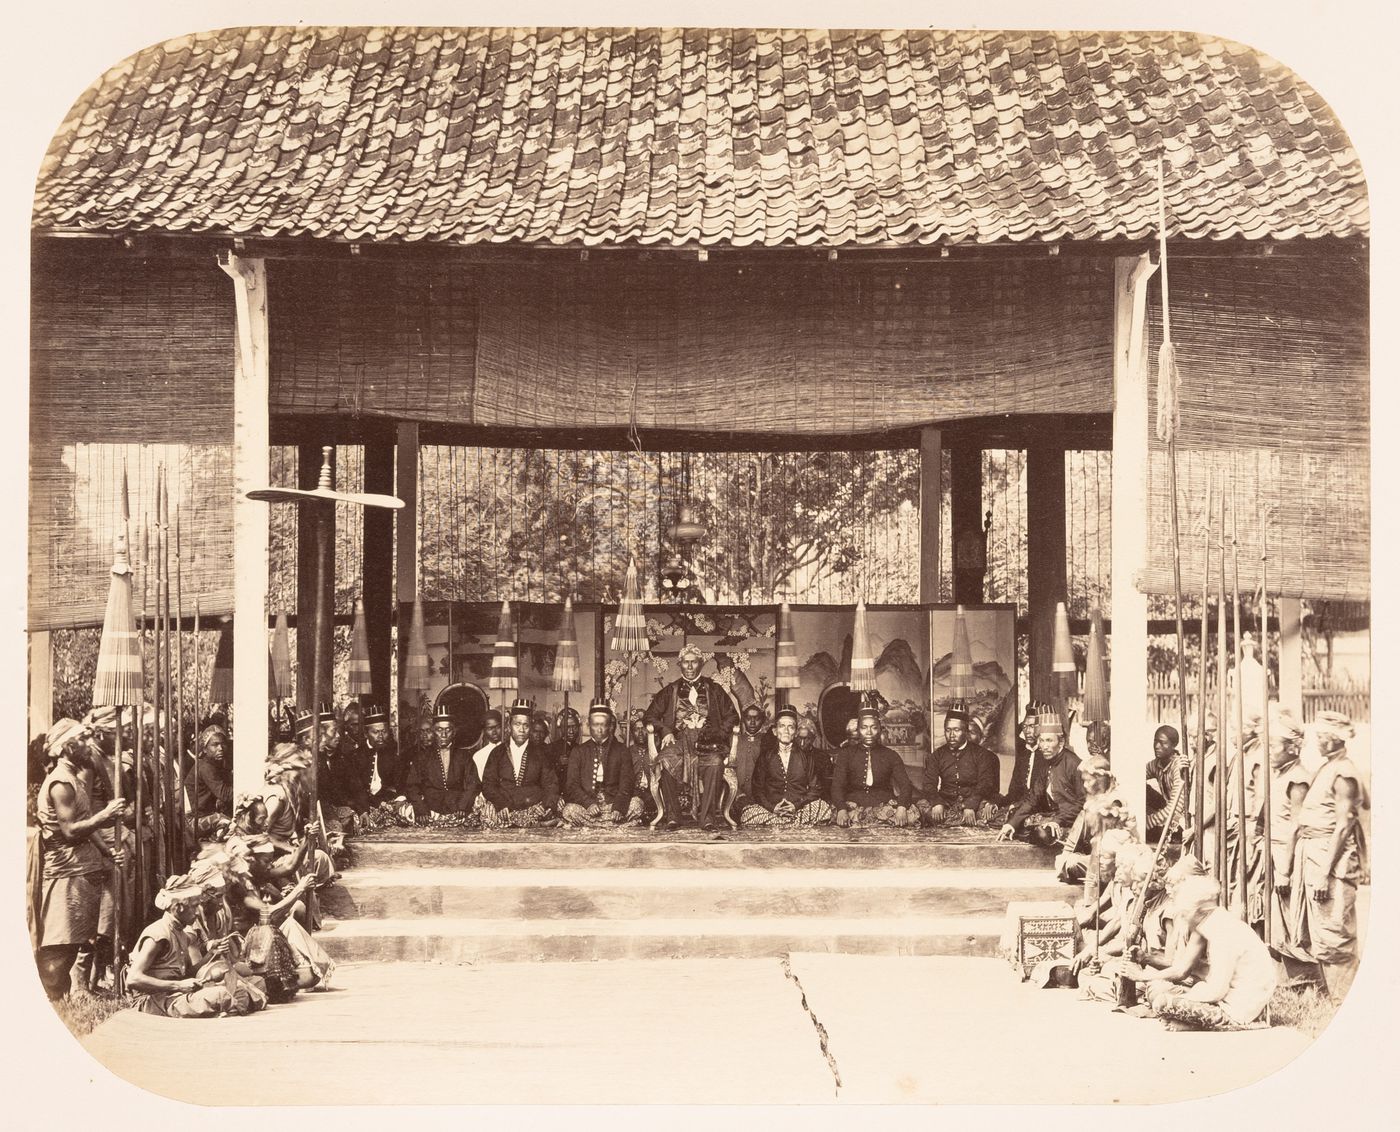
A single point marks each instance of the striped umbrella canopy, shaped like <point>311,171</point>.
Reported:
<point>1062,670</point>
<point>566,671</point>
<point>962,658</point>
<point>1096,673</point>
<point>416,670</point>
<point>120,677</point>
<point>630,632</point>
<point>359,683</point>
<point>862,659</point>
<point>787,675</point>
<point>504,668</point>
<point>279,677</point>
<point>221,682</point>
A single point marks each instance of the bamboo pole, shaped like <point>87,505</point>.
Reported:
<point>1239,706</point>
<point>1222,725</point>
<point>196,662</point>
<point>172,729</point>
<point>1200,768</point>
<point>152,623</point>
<point>186,804</point>
<point>1267,847</point>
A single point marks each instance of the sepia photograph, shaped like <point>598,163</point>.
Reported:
<point>836,561</point>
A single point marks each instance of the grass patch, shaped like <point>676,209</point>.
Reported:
<point>1304,1008</point>
<point>82,1012</point>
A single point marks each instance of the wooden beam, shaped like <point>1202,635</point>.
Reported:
<point>969,542</point>
<point>1128,684</point>
<point>308,470</point>
<point>1046,574</point>
<point>1290,655</point>
<point>40,682</point>
<point>250,519</point>
<point>378,567</point>
<point>406,566</point>
<point>930,514</point>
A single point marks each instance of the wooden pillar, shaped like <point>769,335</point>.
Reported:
<point>1046,573</point>
<point>930,514</point>
<point>1132,730</point>
<point>378,565</point>
<point>40,682</point>
<point>308,471</point>
<point>1290,655</point>
<point>406,568</point>
<point>250,520</point>
<point>969,540</point>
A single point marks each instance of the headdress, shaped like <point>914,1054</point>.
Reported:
<point>1047,721</point>
<point>1332,728</point>
<point>787,713</point>
<point>177,890</point>
<point>376,714</point>
<point>957,710</point>
<point>61,734</point>
<point>523,707</point>
<point>601,707</point>
<point>690,652</point>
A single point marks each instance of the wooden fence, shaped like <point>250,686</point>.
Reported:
<point>1351,700</point>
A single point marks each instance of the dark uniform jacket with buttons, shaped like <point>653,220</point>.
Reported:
<point>771,784</point>
<point>617,781</point>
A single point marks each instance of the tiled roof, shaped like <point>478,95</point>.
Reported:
<point>699,137</point>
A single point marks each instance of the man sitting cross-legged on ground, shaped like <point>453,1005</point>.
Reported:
<point>785,787</point>
<point>869,784</point>
<point>442,782</point>
<point>173,977</point>
<point>960,777</point>
<point>1055,794</point>
<point>520,787</point>
<point>600,786</point>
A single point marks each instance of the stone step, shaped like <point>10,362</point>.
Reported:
<point>678,851</point>
<point>692,894</point>
<point>451,940</point>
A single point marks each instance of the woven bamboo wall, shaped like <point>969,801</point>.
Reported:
<point>1275,400</point>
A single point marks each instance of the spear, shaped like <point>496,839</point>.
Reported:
<point>139,857</point>
<point>186,804</point>
<point>1267,845</point>
<point>196,660</point>
<point>1239,704</point>
<point>168,867</point>
<point>1200,770</point>
<point>1222,873</point>
<point>172,751</point>
<point>158,832</point>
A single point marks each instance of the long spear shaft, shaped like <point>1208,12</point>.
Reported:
<point>196,661</point>
<point>152,624</point>
<point>1222,730</point>
<point>172,729</point>
<point>138,723</point>
<point>1239,704</point>
<point>180,656</point>
<point>1267,847</point>
<point>1200,770</point>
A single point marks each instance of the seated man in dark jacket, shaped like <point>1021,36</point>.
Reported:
<point>600,785</point>
<point>520,785</point>
<point>785,788</point>
<point>1056,792</point>
<point>869,783</point>
<point>960,777</point>
<point>442,781</point>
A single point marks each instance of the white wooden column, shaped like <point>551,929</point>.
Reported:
<point>40,683</point>
<point>250,470</point>
<point>1132,732</point>
<point>1290,655</point>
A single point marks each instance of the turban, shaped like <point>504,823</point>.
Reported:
<point>1193,893</point>
<point>245,802</point>
<point>209,733</point>
<point>61,734</point>
<point>1332,728</point>
<point>178,890</point>
<point>102,719</point>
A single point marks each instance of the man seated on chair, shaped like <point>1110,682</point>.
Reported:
<point>520,786</point>
<point>600,786</point>
<point>442,782</point>
<point>785,787</point>
<point>1055,795</point>
<point>960,778</point>
<point>869,784</point>
<point>697,717</point>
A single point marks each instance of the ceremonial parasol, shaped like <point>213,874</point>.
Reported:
<point>1096,673</point>
<point>505,671</point>
<point>359,683</point>
<point>787,674</point>
<point>630,631</point>
<point>566,671</point>
<point>221,682</point>
<point>862,660</point>
<point>416,669</point>
<point>280,661</point>
<point>1064,678</point>
<point>962,658</point>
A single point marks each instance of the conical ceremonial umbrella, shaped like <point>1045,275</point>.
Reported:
<point>1096,673</point>
<point>280,659</point>
<point>359,683</point>
<point>630,631</point>
<point>1062,670</point>
<point>786,674</point>
<point>505,673</point>
<point>962,658</point>
<point>221,682</point>
<point>862,660</point>
<point>120,677</point>
<point>566,670</point>
<point>416,670</point>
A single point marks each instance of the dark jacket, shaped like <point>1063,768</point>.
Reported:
<point>619,779</point>
<point>720,721</point>
<point>454,794</point>
<point>391,769</point>
<point>538,785</point>
<point>891,780</point>
<point>771,784</point>
<point>1060,778</point>
<point>960,779</point>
